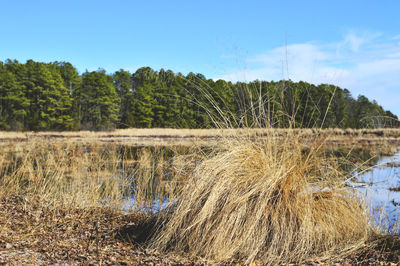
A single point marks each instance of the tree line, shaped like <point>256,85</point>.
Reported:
<point>54,96</point>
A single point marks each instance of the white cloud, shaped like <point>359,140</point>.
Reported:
<point>367,64</point>
<point>353,42</point>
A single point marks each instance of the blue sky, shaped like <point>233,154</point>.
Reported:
<point>354,44</point>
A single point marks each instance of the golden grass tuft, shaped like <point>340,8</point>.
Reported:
<point>273,200</point>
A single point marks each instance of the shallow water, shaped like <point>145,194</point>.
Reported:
<point>376,186</point>
<point>156,206</point>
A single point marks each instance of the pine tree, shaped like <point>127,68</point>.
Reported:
<point>50,102</point>
<point>123,84</point>
<point>98,101</point>
<point>143,105</point>
<point>12,101</point>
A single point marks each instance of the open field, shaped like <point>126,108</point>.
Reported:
<point>262,195</point>
<point>368,138</point>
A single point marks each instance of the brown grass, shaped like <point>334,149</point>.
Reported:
<point>384,141</point>
<point>197,133</point>
<point>76,175</point>
<point>268,200</point>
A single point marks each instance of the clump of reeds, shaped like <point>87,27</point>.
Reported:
<point>272,200</point>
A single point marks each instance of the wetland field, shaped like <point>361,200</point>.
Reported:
<point>200,197</point>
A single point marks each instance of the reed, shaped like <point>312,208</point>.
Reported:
<point>85,175</point>
<point>270,200</point>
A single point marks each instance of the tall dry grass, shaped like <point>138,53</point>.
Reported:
<point>76,175</point>
<point>271,200</point>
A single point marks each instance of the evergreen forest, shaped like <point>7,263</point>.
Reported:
<point>38,96</point>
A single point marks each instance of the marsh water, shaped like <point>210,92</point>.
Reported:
<point>380,186</point>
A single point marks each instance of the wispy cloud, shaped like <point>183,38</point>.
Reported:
<point>366,64</point>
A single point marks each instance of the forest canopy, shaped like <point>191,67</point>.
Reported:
<point>55,96</point>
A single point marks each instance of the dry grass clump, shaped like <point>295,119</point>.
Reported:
<point>269,200</point>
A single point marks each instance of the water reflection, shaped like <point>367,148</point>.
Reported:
<point>380,187</point>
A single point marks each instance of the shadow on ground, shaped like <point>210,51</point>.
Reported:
<point>137,233</point>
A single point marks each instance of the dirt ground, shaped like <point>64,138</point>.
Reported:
<point>31,234</point>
